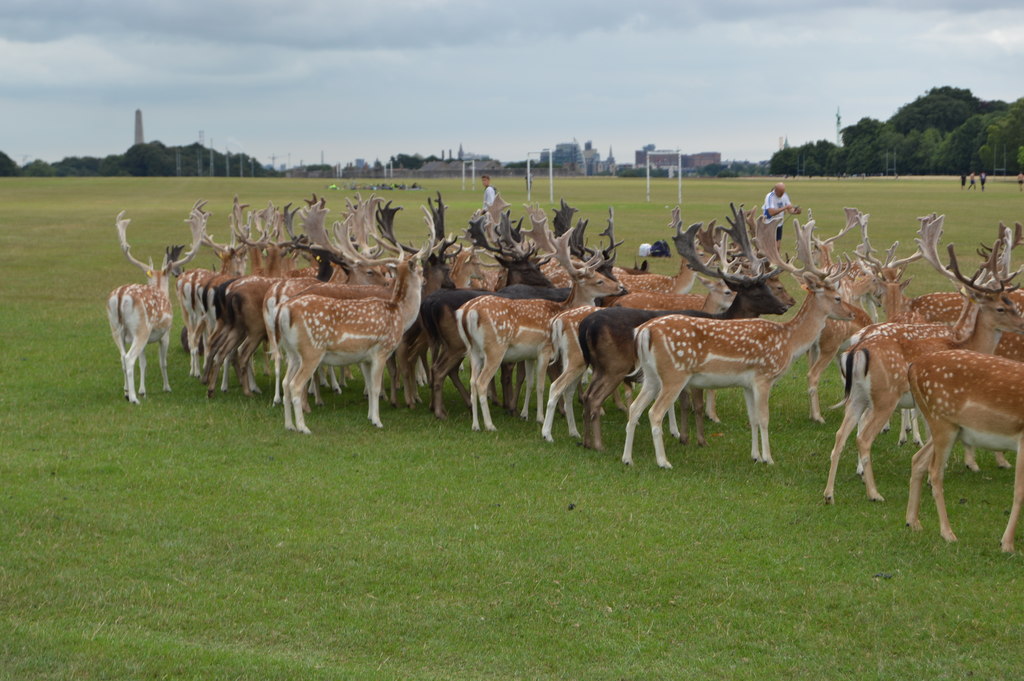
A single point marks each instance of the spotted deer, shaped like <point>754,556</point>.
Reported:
<point>606,338</point>
<point>314,329</point>
<point>677,351</point>
<point>877,365</point>
<point>496,330</point>
<point>192,286</point>
<point>973,397</point>
<point>140,314</point>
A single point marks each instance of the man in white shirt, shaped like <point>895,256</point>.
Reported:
<point>489,193</point>
<point>777,203</point>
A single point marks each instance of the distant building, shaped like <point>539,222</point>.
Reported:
<point>662,159</point>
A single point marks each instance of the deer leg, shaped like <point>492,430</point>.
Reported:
<point>527,371</point>
<point>870,427</point>
<point>760,395</point>
<point>918,469</point>
<point>599,389</point>
<point>135,352</point>
<point>484,370</point>
<point>665,402</point>
<point>851,416</point>
<point>650,389</point>
<point>942,441</point>
<point>373,374</point>
<point>562,388</point>
<point>817,365</point>
<point>711,406</point>
<point>295,390</point>
<point>165,342</point>
<point>969,459</point>
<point>1018,498</point>
<point>750,399</point>
<point>142,368</point>
<point>683,435</point>
<point>697,397</point>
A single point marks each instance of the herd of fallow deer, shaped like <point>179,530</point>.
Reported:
<point>545,301</point>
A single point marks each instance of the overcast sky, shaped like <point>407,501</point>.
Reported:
<point>341,80</point>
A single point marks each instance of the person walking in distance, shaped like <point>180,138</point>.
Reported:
<point>1020,182</point>
<point>972,182</point>
<point>982,179</point>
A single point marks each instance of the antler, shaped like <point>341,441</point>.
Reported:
<point>564,257</point>
<point>613,247</point>
<point>737,231</point>
<point>121,222</point>
<point>929,234</point>
<point>563,218</point>
<point>197,225</point>
<point>539,232</point>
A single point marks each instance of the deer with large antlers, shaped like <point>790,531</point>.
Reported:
<point>140,314</point>
<point>677,350</point>
<point>241,327</point>
<point>973,397</point>
<point>877,365</point>
<point>856,286</point>
<point>606,338</point>
<point>192,288</point>
<point>314,329</point>
<point>496,330</point>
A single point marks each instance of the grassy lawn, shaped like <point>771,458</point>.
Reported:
<point>194,538</point>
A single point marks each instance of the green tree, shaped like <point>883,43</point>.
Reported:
<point>38,168</point>
<point>78,166</point>
<point>942,108</point>
<point>8,167</point>
<point>112,166</point>
<point>152,159</point>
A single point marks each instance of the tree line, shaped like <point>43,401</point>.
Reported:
<point>150,159</point>
<point>947,131</point>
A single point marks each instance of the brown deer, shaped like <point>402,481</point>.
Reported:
<point>140,314</point>
<point>606,338</point>
<point>496,330</point>
<point>973,397</point>
<point>314,329</point>
<point>193,285</point>
<point>877,365</point>
<point>678,350</point>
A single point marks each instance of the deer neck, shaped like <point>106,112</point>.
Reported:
<point>683,281</point>
<point>407,293</point>
<point>980,336</point>
<point>807,324</point>
<point>893,301</point>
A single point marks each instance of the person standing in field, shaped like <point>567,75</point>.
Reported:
<point>1020,182</point>
<point>972,182</point>
<point>489,192</point>
<point>963,181</point>
<point>777,203</point>
<point>982,178</point>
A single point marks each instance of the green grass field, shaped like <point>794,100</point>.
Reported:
<point>190,538</point>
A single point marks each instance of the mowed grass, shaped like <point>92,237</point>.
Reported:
<point>195,538</point>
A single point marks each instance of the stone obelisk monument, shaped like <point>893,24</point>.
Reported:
<point>139,139</point>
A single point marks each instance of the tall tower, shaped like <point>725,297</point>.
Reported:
<point>139,138</point>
